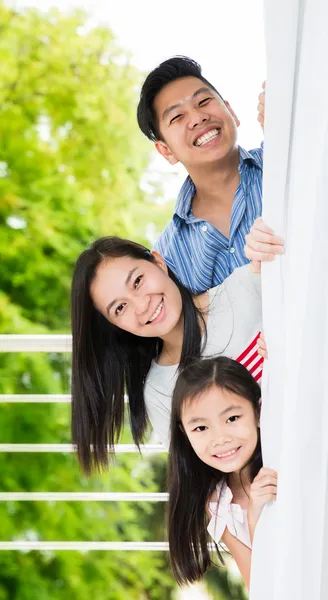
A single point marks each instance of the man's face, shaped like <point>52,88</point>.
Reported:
<point>196,126</point>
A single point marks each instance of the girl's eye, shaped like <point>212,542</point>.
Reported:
<point>232,419</point>
<point>137,282</point>
<point>119,308</point>
<point>200,428</point>
<point>204,101</point>
<point>175,119</point>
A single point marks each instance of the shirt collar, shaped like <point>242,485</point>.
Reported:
<point>187,191</point>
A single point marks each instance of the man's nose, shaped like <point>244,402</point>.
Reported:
<point>197,118</point>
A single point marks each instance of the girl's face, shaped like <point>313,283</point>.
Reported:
<point>137,296</point>
<point>222,429</point>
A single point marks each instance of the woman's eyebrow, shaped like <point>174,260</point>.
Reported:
<point>127,281</point>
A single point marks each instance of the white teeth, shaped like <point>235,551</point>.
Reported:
<point>227,453</point>
<point>156,313</point>
<point>210,135</point>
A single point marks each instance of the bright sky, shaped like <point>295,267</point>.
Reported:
<point>225,36</point>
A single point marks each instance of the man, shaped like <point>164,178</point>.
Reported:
<point>190,122</point>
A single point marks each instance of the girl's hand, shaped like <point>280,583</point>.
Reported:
<point>262,347</point>
<point>263,490</point>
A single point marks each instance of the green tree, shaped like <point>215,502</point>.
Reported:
<point>70,168</point>
<point>71,162</point>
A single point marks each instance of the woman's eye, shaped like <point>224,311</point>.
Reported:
<point>204,101</point>
<point>233,419</point>
<point>119,308</point>
<point>137,282</point>
<point>200,428</point>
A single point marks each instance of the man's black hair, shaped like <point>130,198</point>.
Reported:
<point>168,71</point>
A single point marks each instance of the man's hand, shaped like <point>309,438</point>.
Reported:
<point>261,106</point>
<point>262,244</point>
<point>263,490</point>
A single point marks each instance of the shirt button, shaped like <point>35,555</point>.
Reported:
<point>232,250</point>
<point>204,228</point>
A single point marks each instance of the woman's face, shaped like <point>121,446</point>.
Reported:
<point>222,429</point>
<point>137,296</point>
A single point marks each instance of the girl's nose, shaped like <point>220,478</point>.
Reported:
<point>220,439</point>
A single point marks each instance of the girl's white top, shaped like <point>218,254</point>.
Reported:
<point>225,514</point>
<point>233,324</point>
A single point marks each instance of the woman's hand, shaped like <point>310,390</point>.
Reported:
<point>262,244</point>
<point>263,490</point>
<point>262,347</point>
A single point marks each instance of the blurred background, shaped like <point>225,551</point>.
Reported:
<point>74,167</point>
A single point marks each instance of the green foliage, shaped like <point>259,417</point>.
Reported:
<point>71,162</point>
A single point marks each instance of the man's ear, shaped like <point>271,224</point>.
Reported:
<point>234,116</point>
<point>159,261</point>
<point>165,151</point>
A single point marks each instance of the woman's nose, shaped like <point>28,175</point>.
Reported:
<point>142,305</point>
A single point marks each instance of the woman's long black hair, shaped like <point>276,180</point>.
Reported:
<point>190,481</point>
<point>108,362</point>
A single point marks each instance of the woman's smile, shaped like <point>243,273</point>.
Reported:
<point>158,314</point>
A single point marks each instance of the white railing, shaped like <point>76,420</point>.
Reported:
<point>65,448</point>
<point>34,398</point>
<point>63,343</point>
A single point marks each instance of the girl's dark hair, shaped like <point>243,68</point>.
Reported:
<point>191,481</point>
<point>108,362</point>
<point>174,68</point>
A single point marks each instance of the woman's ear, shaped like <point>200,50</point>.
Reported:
<point>159,261</point>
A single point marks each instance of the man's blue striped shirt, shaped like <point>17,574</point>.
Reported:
<point>198,253</point>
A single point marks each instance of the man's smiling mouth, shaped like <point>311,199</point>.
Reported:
<point>207,137</point>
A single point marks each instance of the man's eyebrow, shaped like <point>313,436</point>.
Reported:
<point>194,95</point>
<point>127,281</point>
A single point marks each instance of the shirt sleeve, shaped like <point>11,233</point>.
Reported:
<point>158,415</point>
<point>244,276</point>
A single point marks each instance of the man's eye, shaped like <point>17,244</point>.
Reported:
<point>204,101</point>
<point>137,281</point>
<point>175,119</point>
<point>119,308</point>
<point>233,419</point>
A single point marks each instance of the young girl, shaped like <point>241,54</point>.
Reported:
<point>217,484</point>
<point>134,327</point>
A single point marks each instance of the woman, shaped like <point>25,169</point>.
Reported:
<point>216,481</point>
<point>134,328</point>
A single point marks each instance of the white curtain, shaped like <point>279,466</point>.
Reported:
<point>290,555</point>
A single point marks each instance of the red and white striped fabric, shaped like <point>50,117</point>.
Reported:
<point>251,359</point>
